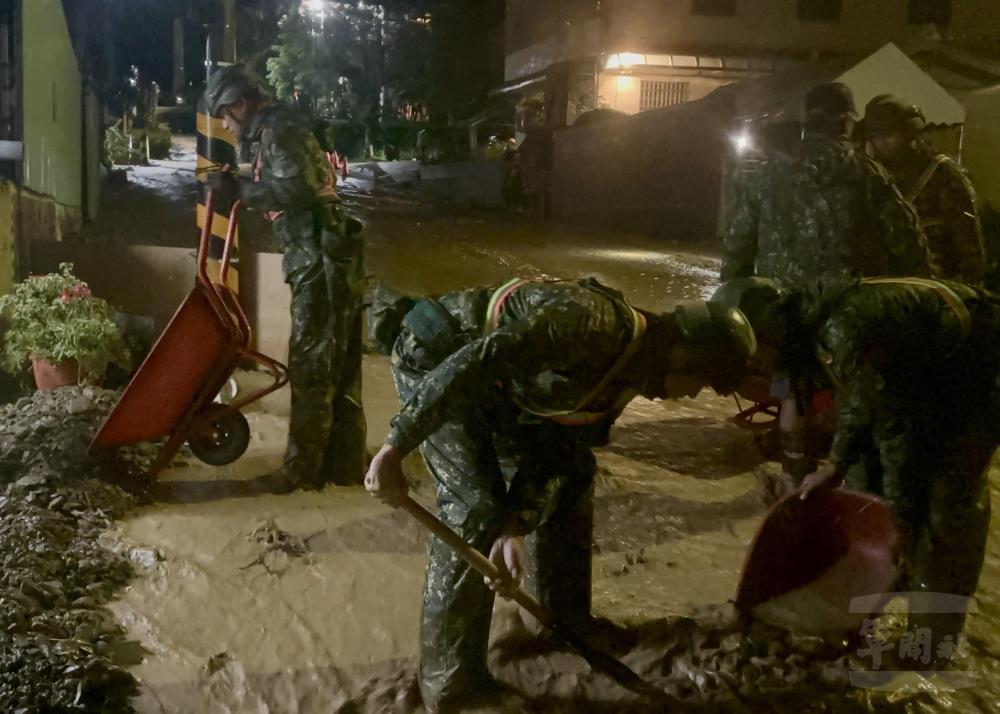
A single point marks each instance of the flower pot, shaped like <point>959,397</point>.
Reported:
<point>50,376</point>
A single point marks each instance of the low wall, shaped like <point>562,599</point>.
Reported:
<point>479,183</point>
<point>657,172</point>
<point>153,281</point>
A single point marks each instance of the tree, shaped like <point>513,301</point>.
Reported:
<point>467,55</point>
<point>346,56</point>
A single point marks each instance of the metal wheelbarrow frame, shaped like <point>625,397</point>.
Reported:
<point>171,394</point>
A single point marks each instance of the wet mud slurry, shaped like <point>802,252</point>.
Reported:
<point>331,624</point>
<point>310,602</point>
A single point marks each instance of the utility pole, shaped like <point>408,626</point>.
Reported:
<point>229,31</point>
<point>216,146</point>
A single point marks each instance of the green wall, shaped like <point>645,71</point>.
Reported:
<point>52,104</point>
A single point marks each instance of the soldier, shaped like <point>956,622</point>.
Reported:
<point>914,366</point>
<point>937,186</point>
<point>828,209</point>
<point>294,184</point>
<point>528,376</point>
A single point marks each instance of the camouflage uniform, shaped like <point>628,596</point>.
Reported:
<point>828,210</point>
<point>323,266</point>
<point>495,465</point>
<point>946,202</point>
<point>915,371</point>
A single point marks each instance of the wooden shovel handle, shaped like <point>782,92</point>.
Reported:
<point>474,558</point>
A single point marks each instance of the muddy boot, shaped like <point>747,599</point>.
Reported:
<point>282,481</point>
<point>488,697</point>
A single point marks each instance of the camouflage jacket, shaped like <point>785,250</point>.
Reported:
<point>910,364</point>
<point>945,200</point>
<point>829,210</point>
<point>554,344</point>
<point>291,171</point>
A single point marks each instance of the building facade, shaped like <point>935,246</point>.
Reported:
<point>637,55</point>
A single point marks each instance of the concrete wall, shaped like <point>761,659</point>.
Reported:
<point>52,105</point>
<point>8,197</point>
<point>153,281</point>
<point>477,183</point>
<point>981,145</point>
<point>972,18</point>
<point>658,172</point>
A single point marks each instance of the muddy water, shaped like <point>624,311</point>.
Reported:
<point>232,627</point>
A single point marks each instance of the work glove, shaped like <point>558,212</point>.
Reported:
<point>223,180</point>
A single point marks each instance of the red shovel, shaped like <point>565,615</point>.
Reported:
<point>810,558</point>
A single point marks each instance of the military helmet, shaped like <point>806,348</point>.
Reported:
<point>831,99</point>
<point>720,339</point>
<point>888,114</point>
<point>754,297</point>
<point>226,86</point>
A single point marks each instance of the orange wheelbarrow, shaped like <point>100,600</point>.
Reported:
<point>172,393</point>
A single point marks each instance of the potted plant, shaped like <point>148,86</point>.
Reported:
<point>55,323</point>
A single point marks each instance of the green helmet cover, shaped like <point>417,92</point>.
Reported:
<point>720,340</point>
<point>226,86</point>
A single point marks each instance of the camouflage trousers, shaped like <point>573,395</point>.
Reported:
<point>327,431</point>
<point>472,459</point>
<point>939,494</point>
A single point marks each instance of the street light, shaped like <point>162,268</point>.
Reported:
<point>314,7</point>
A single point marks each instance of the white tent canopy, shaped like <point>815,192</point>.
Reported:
<point>887,71</point>
<point>890,71</point>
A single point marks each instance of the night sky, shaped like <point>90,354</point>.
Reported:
<point>143,35</point>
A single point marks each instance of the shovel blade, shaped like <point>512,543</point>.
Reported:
<point>810,558</point>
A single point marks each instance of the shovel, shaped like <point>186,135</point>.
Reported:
<point>600,661</point>
<point>811,561</point>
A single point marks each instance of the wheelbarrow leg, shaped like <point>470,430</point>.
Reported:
<point>167,453</point>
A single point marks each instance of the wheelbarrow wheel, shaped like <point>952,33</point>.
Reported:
<point>223,438</point>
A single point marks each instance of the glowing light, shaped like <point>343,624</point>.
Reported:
<point>622,60</point>
<point>314,7</point>
<point>742,142</point>
<point>625,83</point>
<point>630,59</point>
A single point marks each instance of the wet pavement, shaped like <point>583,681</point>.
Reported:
<point>335,629</point>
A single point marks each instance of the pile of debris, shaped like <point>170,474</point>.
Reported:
<point>714,662</point>
<point>60,648</point>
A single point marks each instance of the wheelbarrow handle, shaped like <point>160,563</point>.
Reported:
<point>227,249</point>
<point>206,233</point>
<point>206,237</point>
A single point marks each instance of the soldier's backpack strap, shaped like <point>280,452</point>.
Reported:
<point>578,416</point>
<point>949,296</point>
<point>925,177</point>
<point>495,307</point>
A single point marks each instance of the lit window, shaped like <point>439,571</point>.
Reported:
<point>726,8</point>
<point>925,11</point>
<point>656,95</point>
<point>820,10</point>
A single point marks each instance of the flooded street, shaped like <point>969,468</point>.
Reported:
<point>231,626</point>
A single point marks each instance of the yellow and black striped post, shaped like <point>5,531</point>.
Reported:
<point>216,148</point>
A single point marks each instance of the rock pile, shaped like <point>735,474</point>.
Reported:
<point>60,648</point>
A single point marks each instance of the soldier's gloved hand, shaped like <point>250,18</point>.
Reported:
<point>826,476</point>
<point>222,179</point>
<point>385,479</point>
<point>507,554</point>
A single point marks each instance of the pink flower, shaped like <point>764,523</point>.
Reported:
<point>65,298</point>
<point>82,291</point>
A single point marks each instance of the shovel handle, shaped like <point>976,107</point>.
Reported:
<point>474,558</point>
<point>600,661</point>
